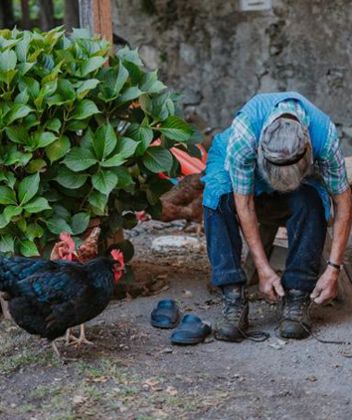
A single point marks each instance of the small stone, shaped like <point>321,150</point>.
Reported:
<point>187,293</point>
<point>175,244</point>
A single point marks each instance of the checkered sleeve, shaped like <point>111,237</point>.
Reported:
<point>241,156</point>
<point>332,164</point>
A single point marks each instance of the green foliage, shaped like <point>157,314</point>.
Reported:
<point>77,127</point>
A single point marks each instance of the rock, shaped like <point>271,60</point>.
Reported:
<point>347,131</point>
<point>175,244</point>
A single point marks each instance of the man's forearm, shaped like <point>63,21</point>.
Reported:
<point>249,224</point>
<point>341,227</point>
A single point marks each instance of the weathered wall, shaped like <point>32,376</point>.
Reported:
<point>218,57</point>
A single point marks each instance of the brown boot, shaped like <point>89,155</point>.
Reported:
<point>233,325</point>
<point>295,322</point>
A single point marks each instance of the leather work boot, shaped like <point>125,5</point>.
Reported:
<point>295,322</point>
<point>233,325</point>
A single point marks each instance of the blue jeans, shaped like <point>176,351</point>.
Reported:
<point>301,211</point>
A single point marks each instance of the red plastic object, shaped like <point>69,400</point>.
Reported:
<point>189,164</point>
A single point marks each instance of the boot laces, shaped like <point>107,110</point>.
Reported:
<point>234,307</point>
<point>296,306</point>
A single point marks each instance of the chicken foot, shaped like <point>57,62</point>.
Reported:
<point>73,340</point>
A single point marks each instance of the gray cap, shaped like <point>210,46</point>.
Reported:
<point>284,141</point>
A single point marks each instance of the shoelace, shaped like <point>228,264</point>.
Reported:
<point>254,335</point>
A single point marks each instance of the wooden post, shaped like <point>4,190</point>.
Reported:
<point>95,15</point>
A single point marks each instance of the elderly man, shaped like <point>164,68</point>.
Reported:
<point>280,162</point>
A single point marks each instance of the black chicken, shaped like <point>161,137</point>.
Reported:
<point>48,297</point>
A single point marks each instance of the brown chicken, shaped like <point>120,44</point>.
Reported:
<point>184,201</point>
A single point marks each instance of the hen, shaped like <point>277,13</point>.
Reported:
<point>48,297</point>
<point>184,201</point>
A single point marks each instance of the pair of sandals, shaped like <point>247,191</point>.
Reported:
<point>191,329</point>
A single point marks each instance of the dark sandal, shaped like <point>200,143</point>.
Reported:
<point>165,315</point>
<point>192,330</point>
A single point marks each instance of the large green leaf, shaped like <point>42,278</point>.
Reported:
<point>79,159</point>
<point>79,223</point>
<point>86,86</point>
<point>22,47</point>
<point>8,178</point>
<point>54,125</point>
<point>126,147</point>
<point>129,94</point>
<point>3,221</point>
<point>34,230</point>
<point>70,179</point>
<point>175,129</point>
<point>15,157</point>
<point>37,205</point>
<point>57,225</point>
<point>116,160</point>
<point>98,202</point>
<point>143,135</point>
<point>124,177</point>
<point>22,97</point>
<point>104,141</point>
<point>28,188</point>
<point>151,84</point>
<point>28,248</point>
<point>85,109</point>
<point>126,54</point>
<point>104,181</point>
<point>12,211</point>
<point>7,196</point>
<point>43,139</point>
<point>36,165</point>
<point>17,111</point>
<point>92,64</point>
<point>58,149</point>
<point>157,159</point>
<point>7,244</point>
<point>121,79</point>
<point>8,60</point>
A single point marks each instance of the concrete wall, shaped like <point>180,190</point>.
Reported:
<point>218,57</point>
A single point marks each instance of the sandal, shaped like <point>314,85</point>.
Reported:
<point>165,315</point>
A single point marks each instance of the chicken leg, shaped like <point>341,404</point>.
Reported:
<point>72,340</point>
<point>56,350</point>
<point>5,308</point>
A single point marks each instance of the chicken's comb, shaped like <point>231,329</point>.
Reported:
<point>66,237</point>
<point>117,255</point>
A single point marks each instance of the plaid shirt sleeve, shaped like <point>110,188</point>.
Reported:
<point>241,156</point>
<point>332,164</point>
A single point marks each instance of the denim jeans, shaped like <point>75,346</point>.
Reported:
<point>301,211</point>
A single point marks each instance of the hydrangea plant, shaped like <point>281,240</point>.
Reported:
<point>78,126</point>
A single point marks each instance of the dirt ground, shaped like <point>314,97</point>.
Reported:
<point>133,372</point>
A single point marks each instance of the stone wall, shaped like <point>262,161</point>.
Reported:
<point>218,57</point>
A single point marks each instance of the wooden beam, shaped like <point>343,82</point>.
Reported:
<point>95,15</point>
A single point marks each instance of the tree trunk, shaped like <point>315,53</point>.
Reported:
<point>95,15</point>
<point>71,17</point>
<point>25,23</point>
<point>7,19</point>
<point>46,14</point>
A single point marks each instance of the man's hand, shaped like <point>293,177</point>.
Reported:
<point>270,285</point>
<point>326,288</point>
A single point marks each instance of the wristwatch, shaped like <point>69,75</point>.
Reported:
<point>337,266</point>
